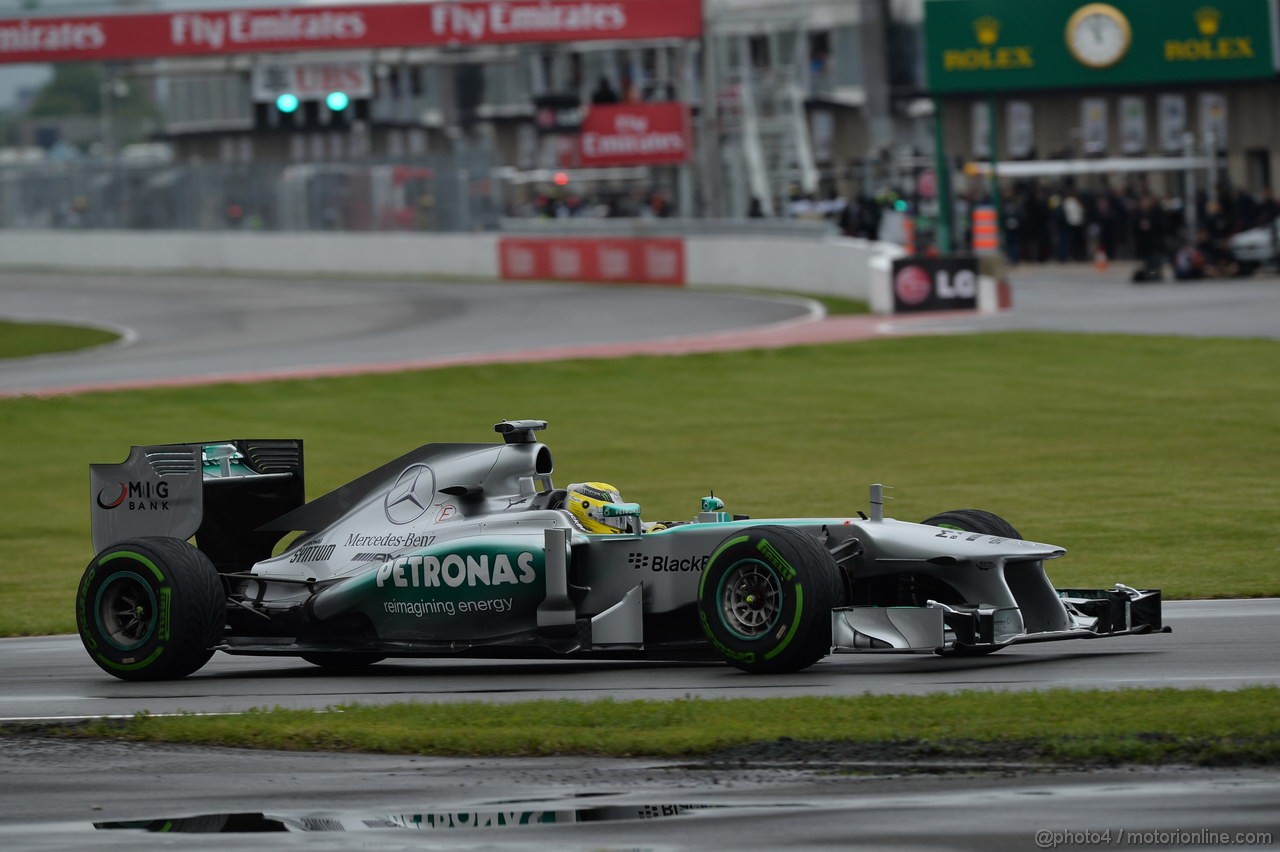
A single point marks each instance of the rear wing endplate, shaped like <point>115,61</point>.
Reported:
<point>160,490</point>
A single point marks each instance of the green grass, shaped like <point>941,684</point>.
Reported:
<point>1154,461</point>
<point>20,339</point>
<point>1148,726</point>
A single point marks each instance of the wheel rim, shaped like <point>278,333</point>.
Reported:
<point>127,611</point>
<point>750,598</point>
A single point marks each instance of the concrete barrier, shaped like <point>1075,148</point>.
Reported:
<point>802,263</point>
<point>320,253</point>
<point>829,266</point>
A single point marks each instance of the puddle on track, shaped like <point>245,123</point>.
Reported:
<point>513,815</point>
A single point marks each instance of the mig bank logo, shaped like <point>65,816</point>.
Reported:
<point>135,496</point>
<point>411,496</point>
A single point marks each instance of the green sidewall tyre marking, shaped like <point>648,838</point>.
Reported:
<point>720,608</point>
<point>795,623</point>
<point>137,557</point>
<point>97,610</point>
<point>130,667</point>
<point>714,556</point>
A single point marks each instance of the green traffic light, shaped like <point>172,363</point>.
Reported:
<point>287,102</point>
<point>337,101</point>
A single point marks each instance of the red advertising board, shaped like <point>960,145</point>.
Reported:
<point>635,135</point>
<point>253,30</point>
<point>656,260</point>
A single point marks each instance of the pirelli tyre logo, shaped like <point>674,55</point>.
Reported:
<point>654,562</point>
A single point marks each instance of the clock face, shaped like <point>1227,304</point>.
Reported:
<point>1098,35</point>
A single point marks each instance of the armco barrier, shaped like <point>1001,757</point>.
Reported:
<point>800,262</point>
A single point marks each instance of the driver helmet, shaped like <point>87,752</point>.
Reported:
<point>586,501</point>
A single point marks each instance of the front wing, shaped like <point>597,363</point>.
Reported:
<point>940,628</point>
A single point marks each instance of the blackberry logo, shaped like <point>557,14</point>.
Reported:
<point>667,564</point>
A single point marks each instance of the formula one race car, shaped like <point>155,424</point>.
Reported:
<point>469,550</point>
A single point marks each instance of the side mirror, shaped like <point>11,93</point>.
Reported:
<point>630,511</point>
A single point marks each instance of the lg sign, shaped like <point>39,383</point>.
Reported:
<point>912,285</point>
<point>935,284</point>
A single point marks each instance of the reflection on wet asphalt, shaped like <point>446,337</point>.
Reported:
<point>499,815</point>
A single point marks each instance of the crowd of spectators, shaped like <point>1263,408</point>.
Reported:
<point>601,204</point>
<point>1063,223</point>
<point>1040,222</point>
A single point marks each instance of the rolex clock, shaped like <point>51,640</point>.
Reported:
<point>1098,35</point>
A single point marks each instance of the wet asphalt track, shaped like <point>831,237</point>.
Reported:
<point>52,793</point>
<point>1214,644</point>
<point>204,326</point>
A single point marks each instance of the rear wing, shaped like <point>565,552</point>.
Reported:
<point>221,492</point>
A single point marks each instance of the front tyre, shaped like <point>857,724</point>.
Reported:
<point>975,521</point>
<point>765,599</point>
<point>150,609</point>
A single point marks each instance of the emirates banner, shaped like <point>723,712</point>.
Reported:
<point>635,135</point>
<point>653,260</point>
<point>253,30</point>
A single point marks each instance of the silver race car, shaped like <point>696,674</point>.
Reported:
<point>470,550</point>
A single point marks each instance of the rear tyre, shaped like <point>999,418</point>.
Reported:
<point>342,659</point>
<point>975,521</point>
<point>765,599</point>
<point>150,609</point>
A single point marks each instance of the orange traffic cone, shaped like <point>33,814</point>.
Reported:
<point>1100,260</point>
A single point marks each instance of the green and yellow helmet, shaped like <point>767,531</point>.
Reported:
<point>586,501</point>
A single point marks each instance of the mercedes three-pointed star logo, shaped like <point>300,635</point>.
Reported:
<point>411,496</point>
